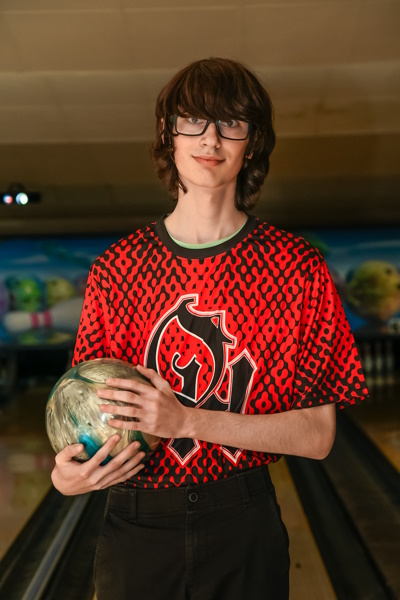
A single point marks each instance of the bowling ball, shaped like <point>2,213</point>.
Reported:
<point>73,414</point>
<point>58,289</point>
<point>373,291</point>
<point>26,293</point>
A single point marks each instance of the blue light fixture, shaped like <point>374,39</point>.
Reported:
<point>17,194</point>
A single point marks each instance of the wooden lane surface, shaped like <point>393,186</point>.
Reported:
<point>379,417</point>
<point>26,461</point>
<point>308,576</point>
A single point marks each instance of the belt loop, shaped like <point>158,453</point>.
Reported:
<point>244,488</point>
<point>132,505</point>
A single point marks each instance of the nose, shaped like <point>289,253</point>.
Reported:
<point>210,137</point>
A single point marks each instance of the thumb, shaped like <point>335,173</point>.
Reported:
<point>69,452</point>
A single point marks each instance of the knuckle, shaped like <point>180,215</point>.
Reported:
<point>84,473</point>
<point>92,481</point>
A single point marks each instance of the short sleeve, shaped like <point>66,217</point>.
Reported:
<point>328,367</point>
<point>92,340</point>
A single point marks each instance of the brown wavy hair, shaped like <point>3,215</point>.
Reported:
<point>217,88</point>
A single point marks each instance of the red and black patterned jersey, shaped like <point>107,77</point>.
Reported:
<point>253,325</point>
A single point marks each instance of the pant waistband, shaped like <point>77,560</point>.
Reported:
<point>240,487</point>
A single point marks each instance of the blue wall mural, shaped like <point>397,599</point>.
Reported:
<point>42,282</point>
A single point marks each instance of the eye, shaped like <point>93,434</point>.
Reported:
<point>194,120</point>
<point>231,124</point>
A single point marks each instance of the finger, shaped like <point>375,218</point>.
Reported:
<point>69,452</point>
<point>123,473</point>
<point>125,455</point>
<point>127,465</point>
<point>153,376</point>
<point>128,384</point>
<point>117,461</point>
<point>118,395</point>
<point>130,425</point>
<point>123,411</point>
<point>103,452</point>
<point>123,478</point>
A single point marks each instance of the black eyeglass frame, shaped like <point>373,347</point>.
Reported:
<point>174,118</point>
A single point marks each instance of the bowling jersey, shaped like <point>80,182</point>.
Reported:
<point>253,325</point>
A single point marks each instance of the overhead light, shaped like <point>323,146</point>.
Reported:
<point>8,199</point>
<point>17,194</point>
<point>22,198</point>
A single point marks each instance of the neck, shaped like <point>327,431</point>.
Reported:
<point>204,216</point>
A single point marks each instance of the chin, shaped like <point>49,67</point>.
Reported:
<point>209,185</point>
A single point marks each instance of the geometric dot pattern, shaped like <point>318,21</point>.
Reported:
<point>278,302</point>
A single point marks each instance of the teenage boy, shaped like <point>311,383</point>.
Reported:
<point>239,328</point>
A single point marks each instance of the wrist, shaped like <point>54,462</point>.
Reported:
<point>188,425</point>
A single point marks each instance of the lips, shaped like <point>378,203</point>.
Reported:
<point>208,160</point>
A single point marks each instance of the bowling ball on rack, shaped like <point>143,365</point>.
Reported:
<point>26,293</point>
<point>373,291</point>
<point>73,414</point>
<point>58,289</point>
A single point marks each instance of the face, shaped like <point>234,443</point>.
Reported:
<point>208,160</point>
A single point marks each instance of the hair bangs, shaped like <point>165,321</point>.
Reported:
<point>210,94</point>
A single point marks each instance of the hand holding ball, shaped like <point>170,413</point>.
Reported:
<point>73,414</point>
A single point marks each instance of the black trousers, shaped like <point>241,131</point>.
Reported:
<point>217,541</point>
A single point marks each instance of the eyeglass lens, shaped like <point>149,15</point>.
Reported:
<point>232,129</point>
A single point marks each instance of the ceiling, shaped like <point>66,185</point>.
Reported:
<point>79,80</point>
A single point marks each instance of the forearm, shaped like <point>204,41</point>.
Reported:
<point>155,409</point>
<point>308,432</point>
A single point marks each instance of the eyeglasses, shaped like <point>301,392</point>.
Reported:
<point>230,130</point>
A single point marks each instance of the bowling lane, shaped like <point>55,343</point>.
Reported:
<point>380,418</point>
<point>308,576</point>
<point>26,460</point>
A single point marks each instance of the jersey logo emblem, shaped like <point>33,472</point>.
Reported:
<point>195,353</point>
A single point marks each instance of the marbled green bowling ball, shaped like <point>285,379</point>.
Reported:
<point>26,293</point>
<point>58,289</point>
<point>373,291</point>
<point>73,414</point>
